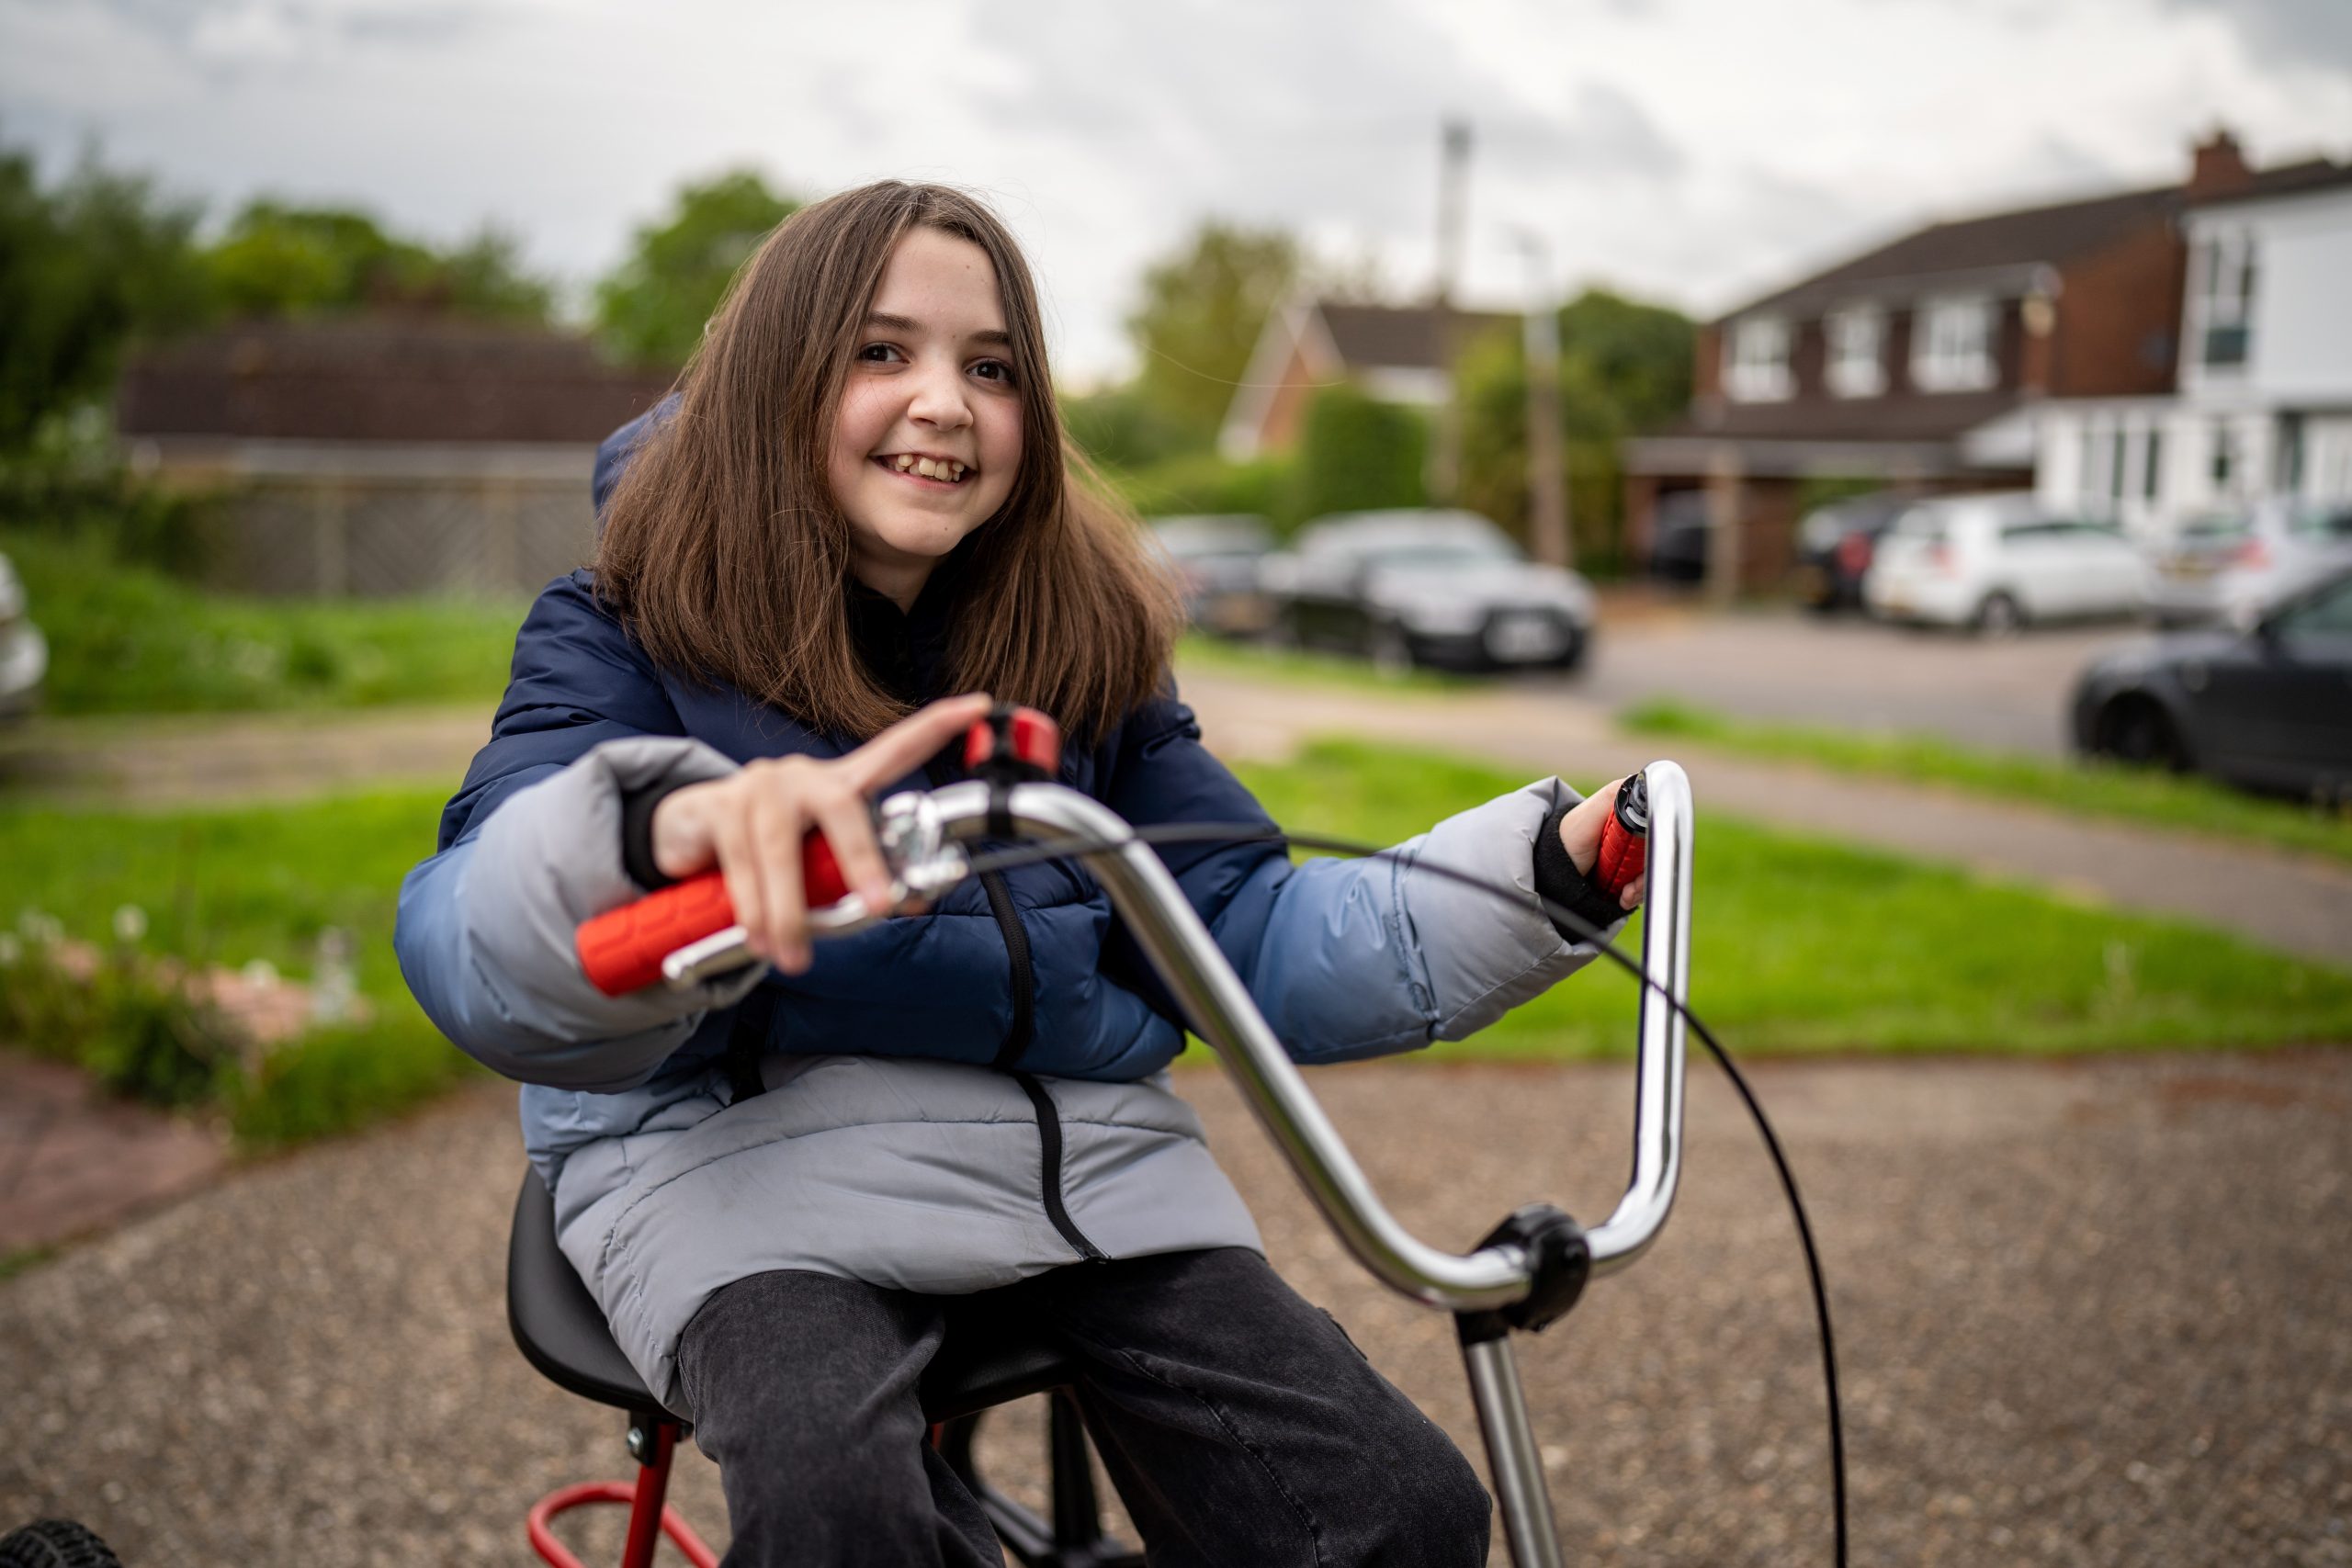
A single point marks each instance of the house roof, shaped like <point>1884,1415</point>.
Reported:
<point>391,379</point>
<point>1397,337</point>
<point>2288,179</point>
<point>2002,246</point>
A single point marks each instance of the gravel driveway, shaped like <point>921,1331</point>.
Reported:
<point>2094,1312</point>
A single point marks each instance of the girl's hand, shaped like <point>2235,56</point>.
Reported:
<point>1580,836</point>
<point>750,824</point>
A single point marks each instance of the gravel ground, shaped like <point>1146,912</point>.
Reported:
<point>2094,1312</point>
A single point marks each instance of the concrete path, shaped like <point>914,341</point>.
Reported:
<point>2298,904</point>
<point>2091,1313</point>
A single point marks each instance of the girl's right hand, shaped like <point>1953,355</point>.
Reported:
<point>750,824</point>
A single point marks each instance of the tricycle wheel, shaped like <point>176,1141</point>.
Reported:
<point>56,1543</point>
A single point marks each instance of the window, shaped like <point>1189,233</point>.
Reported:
<point>1952,346</point>
<point>1856,363</point>
<point>2224,449</point>
<point>2223,292</point>
<point>2153,467</point>
<point>1756,363</point>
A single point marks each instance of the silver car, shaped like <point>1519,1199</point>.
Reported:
<point>2230,566</point>
<point>1421,587</point>
<point>24,654</point>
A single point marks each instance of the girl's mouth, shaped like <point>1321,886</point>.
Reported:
<point>946,473</point>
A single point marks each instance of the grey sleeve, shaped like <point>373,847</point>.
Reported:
<point>486,927</point>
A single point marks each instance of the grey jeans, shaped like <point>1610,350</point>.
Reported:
<point>1239,1424</point>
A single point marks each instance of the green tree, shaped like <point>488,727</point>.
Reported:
<point>1203,309</point>
<point>1355,454</point>
<point>650,310</point>
<point>281,260</point>
<point>83,269</point>
<point>1624,367</point>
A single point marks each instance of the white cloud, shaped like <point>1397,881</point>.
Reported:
<point>1692,149</point>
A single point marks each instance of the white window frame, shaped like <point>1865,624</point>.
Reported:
<point>1952,344</point>
<point>1854,363</point>
<point>1756,360</point>
<point>2223,278</point>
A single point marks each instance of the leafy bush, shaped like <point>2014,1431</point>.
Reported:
<point>134,1025</point>
<point>1357,453</point>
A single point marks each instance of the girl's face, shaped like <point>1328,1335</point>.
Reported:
<point>928,439</point>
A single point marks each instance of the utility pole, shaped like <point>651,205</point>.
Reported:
<point>1547,469</point>
<point>1452,196</point>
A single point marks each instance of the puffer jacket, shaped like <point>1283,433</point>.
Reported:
<point>951,1101</point>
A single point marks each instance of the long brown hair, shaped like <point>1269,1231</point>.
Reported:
<point>726,555</point>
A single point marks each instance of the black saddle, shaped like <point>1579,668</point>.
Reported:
<point>561,1331</point>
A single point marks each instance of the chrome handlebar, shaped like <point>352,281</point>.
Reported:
<point>930,829</point>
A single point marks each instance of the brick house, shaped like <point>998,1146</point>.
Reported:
<point>2263,402</point>
<point>1923,363</point>
<point>383,454</point>
<point>1398,354</point>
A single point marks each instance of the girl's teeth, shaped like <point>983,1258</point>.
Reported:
<point>929,468</point>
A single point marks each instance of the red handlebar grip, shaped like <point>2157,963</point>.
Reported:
<point>621,949</point>
<point>1623,849</point>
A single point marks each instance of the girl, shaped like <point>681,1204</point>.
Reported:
<point>860,501</point>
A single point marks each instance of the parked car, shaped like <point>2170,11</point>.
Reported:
<point>2269,707</point>
<point>24,653</point>
<point>1216,560</point>
<point>1835,544</point>
<point>1428,587</point>
<point>1679,536</point>
<point>2228,565</point>
<point>1996,562</point>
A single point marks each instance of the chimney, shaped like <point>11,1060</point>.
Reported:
<point>2220,168</point>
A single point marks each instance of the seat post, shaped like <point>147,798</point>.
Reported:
<point>652,1441</point>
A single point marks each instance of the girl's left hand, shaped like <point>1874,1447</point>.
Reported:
<point>1580,836</point>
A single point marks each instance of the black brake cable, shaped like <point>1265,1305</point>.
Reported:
<point>1254,832</point>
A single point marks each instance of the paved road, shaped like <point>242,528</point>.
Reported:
<point>2091,1313</point>
<point>1846,673</point>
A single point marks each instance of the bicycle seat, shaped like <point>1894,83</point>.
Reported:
<point>561,1330</point>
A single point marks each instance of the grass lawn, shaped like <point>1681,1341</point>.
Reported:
<point>127,640</point>
<point>1801,945</point>
<point>2093,788</point>
<point>231,886</point>
<point>1219,657</point>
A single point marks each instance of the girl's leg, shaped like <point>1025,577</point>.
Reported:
<point>1242,1427</point>
<point>803,1388</point>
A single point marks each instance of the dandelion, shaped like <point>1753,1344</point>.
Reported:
<point>261,973</point>
<point>129,923</point>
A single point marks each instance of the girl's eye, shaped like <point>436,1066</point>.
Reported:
<point>994,370</point>
<point>878,353</point>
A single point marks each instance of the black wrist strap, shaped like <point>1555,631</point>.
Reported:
<point>637,832</point>
<point>1557,879</point>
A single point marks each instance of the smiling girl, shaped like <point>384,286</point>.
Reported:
<point>858,503</point>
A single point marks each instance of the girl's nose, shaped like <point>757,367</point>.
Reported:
<point>940,398</point>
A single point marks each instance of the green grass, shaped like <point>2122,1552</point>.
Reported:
<point>125,638</point>
<point>2093,788</point>
<point>231,886</point>
<point>1218,656</point>
<point>1801,945</point>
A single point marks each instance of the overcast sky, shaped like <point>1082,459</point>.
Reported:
<point>1690,151</point>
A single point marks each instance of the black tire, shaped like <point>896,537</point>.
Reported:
<point>2138,731</point>
<point>1997,615</point>
<point>56,1543</point>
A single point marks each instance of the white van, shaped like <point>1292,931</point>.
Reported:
<point>1994,562</point>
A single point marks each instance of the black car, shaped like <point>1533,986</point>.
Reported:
<point>1679,536</point>
<point>1406,588</point>
<point>1214,559</point>
<point>1835,544</point>
<point>2267,708</point>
